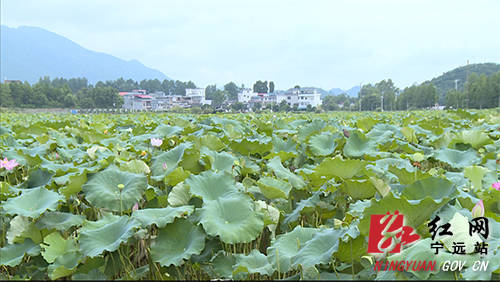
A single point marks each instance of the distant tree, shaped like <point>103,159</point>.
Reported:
<point>210,91</point>
<point>6,96</point>
<point>297,87</point>
<point>190,85</point>
<point>271,86</point>
<point>329,103</point>
<point>218,98</point>
<point>232,89</point>
<point>256,107</point>
<point>238,106</point>
<point>260,87</point>
<point>283,106</point>
<point>207,109</point>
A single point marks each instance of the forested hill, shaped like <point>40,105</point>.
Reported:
<point>446,81</point>
<point>29,53</point>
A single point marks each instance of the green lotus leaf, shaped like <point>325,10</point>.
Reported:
<point>367,123</point>
<point>288,146</point>
<point>271,215</point>
<point>232,218</point>
<point>32,202</point>
<point>166,162</point>
<point>476,138</point>
<point>136,166</point>
<point>212,142</point>
<point>54,245</point>
<point>248,166</point>
<point>323,144</point>
<point>92,275</point>
<point>12,254</point>
<point>409,134</point>
<point>103,189</point>
<point>320,248</point>
<point>336,167</point>
<point>358,189</point>
<point>61,221</point>
<point>407,177</point>
<point>285,247</point>
<point>247,146</point>
<point>303,204</point>
<point>64,265</point>
<point>20,228</point>
<point>73,182</point>
<point>476,174</point>
<point>284,173</point>
<point>254,262</point>
<point>357,145</point>
<point>382,188</point>
<point>176,242</point>
<point>274,188</point>
<point>179,196</point>
<point>415,212</point>
<point>222,265</point>
<point>106,234</point>
<point>310,128</point>
<point>456,158</point>
<point>437,188</point>
<point>165,131</point>
<point>37,178</point>
<point>210,185</point>
<point>218,161</point>
<point>177,176</point>
<point>161,216</point>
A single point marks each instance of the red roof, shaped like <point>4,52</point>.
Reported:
<point>123,93</point>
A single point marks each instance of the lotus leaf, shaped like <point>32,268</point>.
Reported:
<point>114,189</point>
<point>176,242</point>
<point>32,202</point>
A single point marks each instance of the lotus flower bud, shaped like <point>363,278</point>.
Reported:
<point>135,207</point>
<point>478,209</point>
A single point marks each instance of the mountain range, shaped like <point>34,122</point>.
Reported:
<point>28,53</point>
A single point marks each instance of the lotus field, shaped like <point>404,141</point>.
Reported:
<point>242,196</point>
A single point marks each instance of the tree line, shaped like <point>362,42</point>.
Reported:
<point>79,93</point>
<point>479,92</point>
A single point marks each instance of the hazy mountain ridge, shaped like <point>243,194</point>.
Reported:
<point>446,81</point>
<point>28,53</point>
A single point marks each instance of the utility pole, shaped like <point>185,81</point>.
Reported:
<point>359,95</point>
<point>382,102</point>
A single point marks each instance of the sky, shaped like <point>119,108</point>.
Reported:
<point>327,44</point>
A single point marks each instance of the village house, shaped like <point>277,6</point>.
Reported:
<point>158,101</point>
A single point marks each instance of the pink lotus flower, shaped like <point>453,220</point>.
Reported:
<point>478,209</point>
<point>135,207</point>
<point>496,186</point>
<point>156,142</point>
<point>9,165</point>
<point>165,166</point>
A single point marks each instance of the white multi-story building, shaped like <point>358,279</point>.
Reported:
<point>196,96</point>
<point>300,97</point>
<point>246,95</point>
